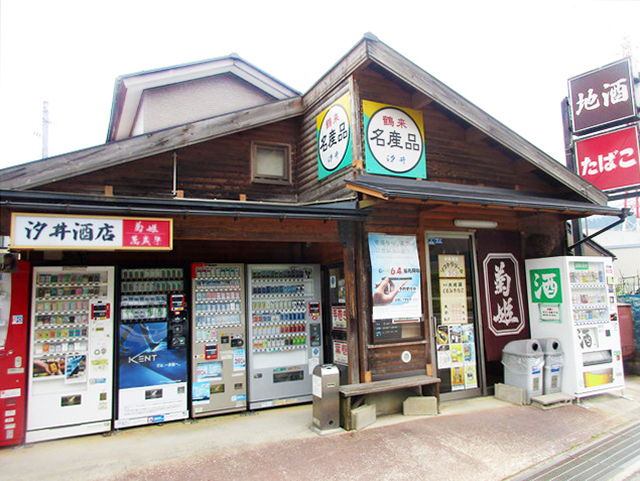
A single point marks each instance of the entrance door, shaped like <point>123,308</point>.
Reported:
<point>454,314</point>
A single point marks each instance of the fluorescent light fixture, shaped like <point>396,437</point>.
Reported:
<point>475,224</point>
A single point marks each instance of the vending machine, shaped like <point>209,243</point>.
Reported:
<point>219,368</point>
<point>14,312</point>
<point>285,333</point>
<point>153,329</point>
<point>71,352</point>
<point>573,299</point>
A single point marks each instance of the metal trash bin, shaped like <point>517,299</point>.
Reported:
<point>326,399</point>
<point>553,363</point>
<point>523,361</point>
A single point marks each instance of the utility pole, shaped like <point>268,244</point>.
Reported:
<point>45,130</point>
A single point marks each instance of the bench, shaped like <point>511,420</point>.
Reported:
<point>352,395</point>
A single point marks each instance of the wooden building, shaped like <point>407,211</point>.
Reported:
<point>232,156</point>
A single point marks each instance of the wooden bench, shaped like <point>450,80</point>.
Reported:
<point>352,395</point>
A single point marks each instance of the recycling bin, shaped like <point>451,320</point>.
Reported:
<point>326,399</point>
<point>553,363</point>
<point>523,361</point>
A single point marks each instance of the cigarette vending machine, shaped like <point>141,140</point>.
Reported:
<point>573,299</point>
<point>14,312</point>
<point>285,333</point>
<point>153,329</point>
<point>71,352</point>
<point>219,369</point>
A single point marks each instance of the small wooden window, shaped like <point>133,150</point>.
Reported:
<point>271,163</point>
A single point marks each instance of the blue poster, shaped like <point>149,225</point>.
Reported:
<point>145,359</point>
<point>395,277</point>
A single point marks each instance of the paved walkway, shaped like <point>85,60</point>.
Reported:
<point>476,439</point>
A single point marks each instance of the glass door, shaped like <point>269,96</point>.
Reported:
<point>454,314</point>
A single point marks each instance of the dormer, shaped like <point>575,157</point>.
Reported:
<point>158,99</point>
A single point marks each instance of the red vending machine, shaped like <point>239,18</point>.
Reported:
<point>14,312</point>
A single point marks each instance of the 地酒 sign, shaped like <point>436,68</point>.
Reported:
<point>60,232</point>
<point>394,142</point>
<point>602,96</point>
<point>610,160</point>
<point>333,137</point>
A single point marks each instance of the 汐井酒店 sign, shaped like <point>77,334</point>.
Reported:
<point>61,232</point>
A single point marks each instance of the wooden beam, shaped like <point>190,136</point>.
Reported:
<point>419,100</point>
<point>474,135</point>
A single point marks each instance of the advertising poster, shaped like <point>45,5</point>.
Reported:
<point>333,137</point>
<point>76,369</point>
<point>395,276</point>
<point>201,392</point>
<point>453,301</point>
<point>451,266</point>
<point>394,140</point>
<point>457,379</point>
<point>340,353</point>
<point>144,357</point>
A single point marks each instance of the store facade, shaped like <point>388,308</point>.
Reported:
<point>411,208</point>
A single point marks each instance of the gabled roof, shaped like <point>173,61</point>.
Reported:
<point>368,50</point>
<point>129,88</point>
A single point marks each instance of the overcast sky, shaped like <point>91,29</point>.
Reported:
<point>512,59</point>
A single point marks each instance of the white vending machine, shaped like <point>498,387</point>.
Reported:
<point>573,299</point>
<point>284,333</point>
<point>71,352</point>
<point>219,340</point>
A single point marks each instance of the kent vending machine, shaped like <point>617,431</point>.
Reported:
<point>285,333</point>
<point>14,312</point>
<point>153,329</point>
<point>218,372</point>
<point>573,299</point>
<point>71,352</point>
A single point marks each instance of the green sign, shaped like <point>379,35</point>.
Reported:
<point>545,285</point>
<point>581,266</point>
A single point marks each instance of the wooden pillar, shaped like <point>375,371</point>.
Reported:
<point>350,276</point>
<point>363,279</point>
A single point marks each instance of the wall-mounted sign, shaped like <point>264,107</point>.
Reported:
<point>611,160</point>
<point>602,96</point>
<point>394,140</point>
<point>61,232</point>
<point>395,277</point>
<point>333,137</point>
<point>451,266</point>
<point>503,295</point>
<point>453,301</point>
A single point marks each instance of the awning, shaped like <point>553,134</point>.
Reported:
<point>429,192</point>
<point>71,203</point>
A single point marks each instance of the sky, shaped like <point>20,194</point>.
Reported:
<point>510,58</point>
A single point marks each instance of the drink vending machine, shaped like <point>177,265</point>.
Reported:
<point>71,352</point>
<point>153,329</point>
<point>573,299</point>
<point>285,333</point>
<point>14,312</point>
<point>218,373</point>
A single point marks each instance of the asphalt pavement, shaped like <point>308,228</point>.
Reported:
<point>475,439</point>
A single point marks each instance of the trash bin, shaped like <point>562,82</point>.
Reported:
<point>553,363</point>
<point>523,361</point>
<point>326,399</point>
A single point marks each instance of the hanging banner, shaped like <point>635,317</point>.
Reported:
<point>394,140</point>
<point>333,137</point>
<point>62,232</point>
<point>395,276</point>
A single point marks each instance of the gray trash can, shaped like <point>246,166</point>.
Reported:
<point>326,399</point>
<point>523,361</point>
<point>553,363</point>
